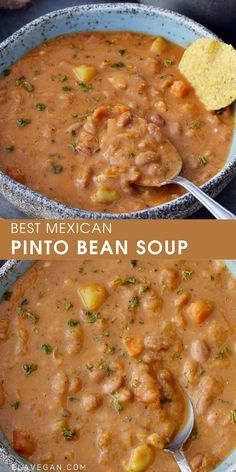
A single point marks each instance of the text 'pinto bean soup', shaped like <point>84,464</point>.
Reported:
<point>83,115</point>
<point>94,358</point>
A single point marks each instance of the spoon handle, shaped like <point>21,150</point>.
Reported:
<point>181,460</point>
<point>215,208</point>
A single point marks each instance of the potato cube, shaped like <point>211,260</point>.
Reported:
<point>103,195</point>
<point>141,458</point>
<point>159,45</point>
<point>85,73</point>
<point>92,295</point>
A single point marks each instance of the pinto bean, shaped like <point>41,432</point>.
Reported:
<point>87,143</point>
<point>145,387</point>
<point>146,157</point>
<point>97,375</point>
<point>123,395</point>
<point>152,301</point>
<point>75,385</point>
<point>22,339</point>
<point>112,384</point>
<point>155,132</point>
<point>124,119</point>
<point>59,383</point>
<point>74,340</point>
<point>200,351</point>
<point>190,372</point>
<point>182,300</point>
<point>91,401</point>
<point>155,343</point>
<point>208,389</point>
<point>169,278</point>
<point>157,119</point>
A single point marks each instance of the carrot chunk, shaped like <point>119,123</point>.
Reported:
<point>200,310</point>
<point>179,88</point>
<point>23,443</point>
<point>134,346</point>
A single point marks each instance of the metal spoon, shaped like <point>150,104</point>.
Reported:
<point>173,177</point>
<point>176,446</point>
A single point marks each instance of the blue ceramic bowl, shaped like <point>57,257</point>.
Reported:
<point>118,16</point>
<point>9,273</point>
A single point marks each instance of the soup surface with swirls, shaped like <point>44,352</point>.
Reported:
<point>85,116</point>
<point>95,359</point>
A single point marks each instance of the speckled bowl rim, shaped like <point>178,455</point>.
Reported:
<point>35,204</point>
<point>9,273</point>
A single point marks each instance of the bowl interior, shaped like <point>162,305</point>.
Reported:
<point>9,273</point>
<point>130,17</point>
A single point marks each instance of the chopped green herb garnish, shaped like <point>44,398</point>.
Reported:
<point>40,106</point>
<point>56,168</point>
<point>127,281</point>
<point>24,84</point>
<point>73,147</point>
<point>85,87</point>
<point>122,52</point>
<point>117,65</point>
<point>223,353</point>
<point>117,406</point>
<point>81,269</point>
<point>165,400</point>
<point>72,323</point>
<point>180,291</point>
<point>202,160</point>
<point>92,316</point>
<point>168,62</point>
<point>67,305</point>
<point>90,366</point>
<point>103,365</point>
<point>233,416</point>
<point>133,303</point>
<point>68,434</point>
<point>15,404</point>
<point>63,77</point>
<point>186,274</point>
<point>196,124</point>
<point>7,295</point>
<point>201,371</point>
<point>66,89</point>
<point>194,433</point>
<point>47,348</point>
<point>22,122</point>
<point>27,314</point>
<point>29,368</point>
<point>10,148</point>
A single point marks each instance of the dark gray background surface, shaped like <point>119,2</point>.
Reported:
<point>10,21</point>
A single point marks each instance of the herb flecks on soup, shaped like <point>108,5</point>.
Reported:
<point>94,359</point>
<point>84,114</point>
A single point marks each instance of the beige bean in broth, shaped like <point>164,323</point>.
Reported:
<point>93,356</point>
<point>82,115</point>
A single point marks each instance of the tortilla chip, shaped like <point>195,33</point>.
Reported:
<point>210,67</point>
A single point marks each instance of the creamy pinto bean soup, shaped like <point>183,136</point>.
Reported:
<point>95,357</point>
<point>85,115</point>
